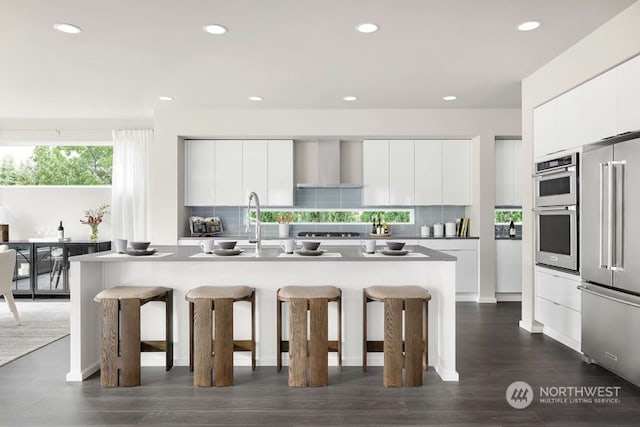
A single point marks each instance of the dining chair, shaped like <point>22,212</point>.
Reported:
<point>7,266</point>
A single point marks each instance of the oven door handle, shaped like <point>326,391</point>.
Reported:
<point>558,171</point>
<point>554,208</point>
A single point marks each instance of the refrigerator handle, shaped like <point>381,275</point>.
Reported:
<point>619,223</point>
<point>610,214</point>
<point>600,252</point>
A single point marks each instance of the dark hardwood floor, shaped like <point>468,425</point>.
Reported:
<point>492,353</point>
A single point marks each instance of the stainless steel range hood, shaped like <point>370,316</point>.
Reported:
<point>324,167</point>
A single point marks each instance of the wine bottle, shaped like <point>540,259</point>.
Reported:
<point>373,227</point>
<point>60,231</point>
<point>512,229</point>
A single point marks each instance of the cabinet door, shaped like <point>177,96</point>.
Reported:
<point>545,128</point>
<point>228,173</point>
<point>254,169</point>
<point>628,95</point>
<point>600,107</point>
<point>517,172</point>
<point>509,266</point>
<point>375,172</point>
<point>456,172</point>
<point>280,173</point>
<point>504,173</point>
<point>466,270</point>
<point>401,172</point>
<point>570,118</point>
<point>428,172</point>
<point>199,171</point>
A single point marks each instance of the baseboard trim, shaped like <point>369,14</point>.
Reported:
<point>509,297</point>
<point>447,375</point>
<point>465,297</point>
<point>529,327</point>
<point>571,343</point>
<point>83,375</point>
<point>487,300</point>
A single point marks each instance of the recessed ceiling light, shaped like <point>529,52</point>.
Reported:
<point>256,98</point>
<point>367,28</point>
<point>449,98</point>
<point>214,29</point>
<point>350,98</point>
<point>528,26</point>
<point>67,28</point>
<point>165,98</point>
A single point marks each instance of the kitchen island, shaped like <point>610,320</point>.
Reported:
<point>184,267</point>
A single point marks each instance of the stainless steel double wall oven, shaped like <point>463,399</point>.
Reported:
<point>556,213</point>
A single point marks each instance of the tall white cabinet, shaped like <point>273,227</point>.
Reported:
<point>228,173</point>
<point>199,158</point>
<point>279,173</point>
<point>416,172</point>
<point>224,172</point>
<point>508,192</point>
<point>428,172</point>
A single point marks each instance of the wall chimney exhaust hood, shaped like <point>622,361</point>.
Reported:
<point>321,166</point>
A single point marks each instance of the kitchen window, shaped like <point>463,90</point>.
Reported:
<point>337,216</point>
<point>64,165</point>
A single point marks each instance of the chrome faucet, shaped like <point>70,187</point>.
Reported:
<point>257,239</point>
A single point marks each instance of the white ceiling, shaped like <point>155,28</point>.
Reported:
<point>294,53</point>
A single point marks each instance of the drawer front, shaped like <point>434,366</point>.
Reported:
<point>562,320</point>
<point>450,244</point>
<point>559,290</point>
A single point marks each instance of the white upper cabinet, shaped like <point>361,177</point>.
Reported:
<point>199,157</point>
<point>508,192</point>
<point>428,172</point>
<point>228,173</point>
<point>421,172</point>
<point>401,172</point>
<point>570,107</point>
<point>375,172</point>
<point>456,172</point>
<point>254,169</point>
<point>599,108</point>
<point>280,173</point>
<point>224,172</point>
<point>629,96</point>
<point>545,128</point>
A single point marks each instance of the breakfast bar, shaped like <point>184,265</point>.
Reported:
<point>185,267</point>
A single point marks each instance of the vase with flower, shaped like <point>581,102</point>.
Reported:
<point>93,218</point>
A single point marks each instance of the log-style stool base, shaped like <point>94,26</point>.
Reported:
<point>121,345</point>
<point>207,355</point>
<point>308,353</point>
<point>412,353</point>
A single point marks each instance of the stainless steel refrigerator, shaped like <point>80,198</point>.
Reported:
<point>610,248</point>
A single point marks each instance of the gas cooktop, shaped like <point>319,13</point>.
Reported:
<point>328,234</point>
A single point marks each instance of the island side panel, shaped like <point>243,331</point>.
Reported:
<point>267,277</point>
<point>85,283</point>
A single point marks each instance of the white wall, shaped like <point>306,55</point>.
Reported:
<point>611,44</point>
<point>483,125</point>
<point>45,206</point>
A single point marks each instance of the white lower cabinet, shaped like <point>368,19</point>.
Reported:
<point>466,251</point>
<point>508,269</point>
<point>558,306</point>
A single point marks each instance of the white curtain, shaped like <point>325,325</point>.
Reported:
<point>130,184</point>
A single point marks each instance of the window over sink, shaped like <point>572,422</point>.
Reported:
<point>336,216</point>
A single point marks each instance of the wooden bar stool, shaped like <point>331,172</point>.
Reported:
<point>412,353</point>
<point>207,354</point>
<point>312,354</point>
<point>121,344</point>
